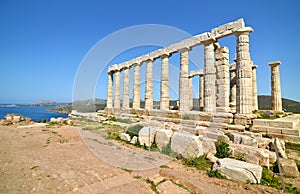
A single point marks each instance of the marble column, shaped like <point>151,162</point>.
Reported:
<point>209,78</point>
<point>109,103</point>
<point>117,90</point>
<point>136,87</point>
<point>149,85</point>
<point>201,91</point>
<point>191,93</point>
<point>222,78</point>
<point>232,96</point>
<point>275,82</point>
<point>164,83</point>
<point>184,93</point>
<point>254,88</point>
<point>126,87</point>
<point>244,103</point>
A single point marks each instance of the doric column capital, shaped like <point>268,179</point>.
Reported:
<point>243,31</point>
<point>274,64</point>
<point>182,50</point>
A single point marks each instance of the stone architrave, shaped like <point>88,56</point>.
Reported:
<point>149,85</point>
<point>232,87</point>
<point>254,88</point>
<point>222,71</point>
<point>275,82</point>
<point>184,93</point>
<point>244,72</point>
<point>109,90</point>
<point>164,83</point>
<point>125,101</point>
<point>209,78</point>
<point>201,91</point>
<point>136,87</point>
<point>239,170</point>
<point>117,90</point>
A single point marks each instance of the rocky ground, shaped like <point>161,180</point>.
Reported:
<point>41,159</point>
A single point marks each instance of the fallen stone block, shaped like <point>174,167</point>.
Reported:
<point>145,133</point>
<point>280,145</point>
<point>251,154</point>
<point>239,170</point>
<point>189,146</point>
<point>134,140</point>
<point>243,139</point>
<point>263,142</point>
<point>289,167</point>
<point>163,137</point>
<point>124,137</point>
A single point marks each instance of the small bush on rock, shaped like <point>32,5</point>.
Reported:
<point>223,150</point>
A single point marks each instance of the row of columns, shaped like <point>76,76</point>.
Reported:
<point>213,83</point>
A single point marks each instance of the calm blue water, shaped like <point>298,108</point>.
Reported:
<point>36,113</point>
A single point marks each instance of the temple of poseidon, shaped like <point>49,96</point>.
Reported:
<point>227,92</point>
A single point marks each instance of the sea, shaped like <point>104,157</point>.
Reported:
<point>36,113</point>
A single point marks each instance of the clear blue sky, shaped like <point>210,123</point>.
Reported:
<point>42,43</point>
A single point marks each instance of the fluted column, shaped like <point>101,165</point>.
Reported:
<point>164,83</point>
<point>233,87</point>
<point>149,85</point>
<point>254,88</point>
<point>184,93</point>
<point>209,78</point>
<point>191,93</point>
<point>136,87</point>
<point>109,103</point>
<point>125,101</point>
<point>201,91</point>
<point>222,69</point>
<point>275,82</point>
<point>244,72</point>
<point>117,90</point>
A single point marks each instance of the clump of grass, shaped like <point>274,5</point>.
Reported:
<point>127,170</point>
<point>154,147</point>
<point>223,150</point>
<point>34,167</point>
<point>216,173</point>
<point>113,131</point>
<point>63,140</point>
<point>200,162</point>
<point>272,180</point>
<point>137,177</point>
<point>134,130</point>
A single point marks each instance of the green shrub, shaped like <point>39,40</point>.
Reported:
<point>200,162</point>
<point>112,118</point>
<point>134,130</point>
<point>223,150</point>
<point>215,173</point>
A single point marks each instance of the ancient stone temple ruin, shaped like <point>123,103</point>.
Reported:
<point>228,105</point>
<point>219,92</point>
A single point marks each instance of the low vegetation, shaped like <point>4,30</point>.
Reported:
<point>223,150</point>
<point>201,163</point>
<point>134,130</point>
<point>272,180</point>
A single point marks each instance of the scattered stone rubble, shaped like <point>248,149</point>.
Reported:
<point>12,119</point>
<point>255,150</point>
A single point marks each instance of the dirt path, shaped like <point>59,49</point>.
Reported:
<point>56,160</point>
